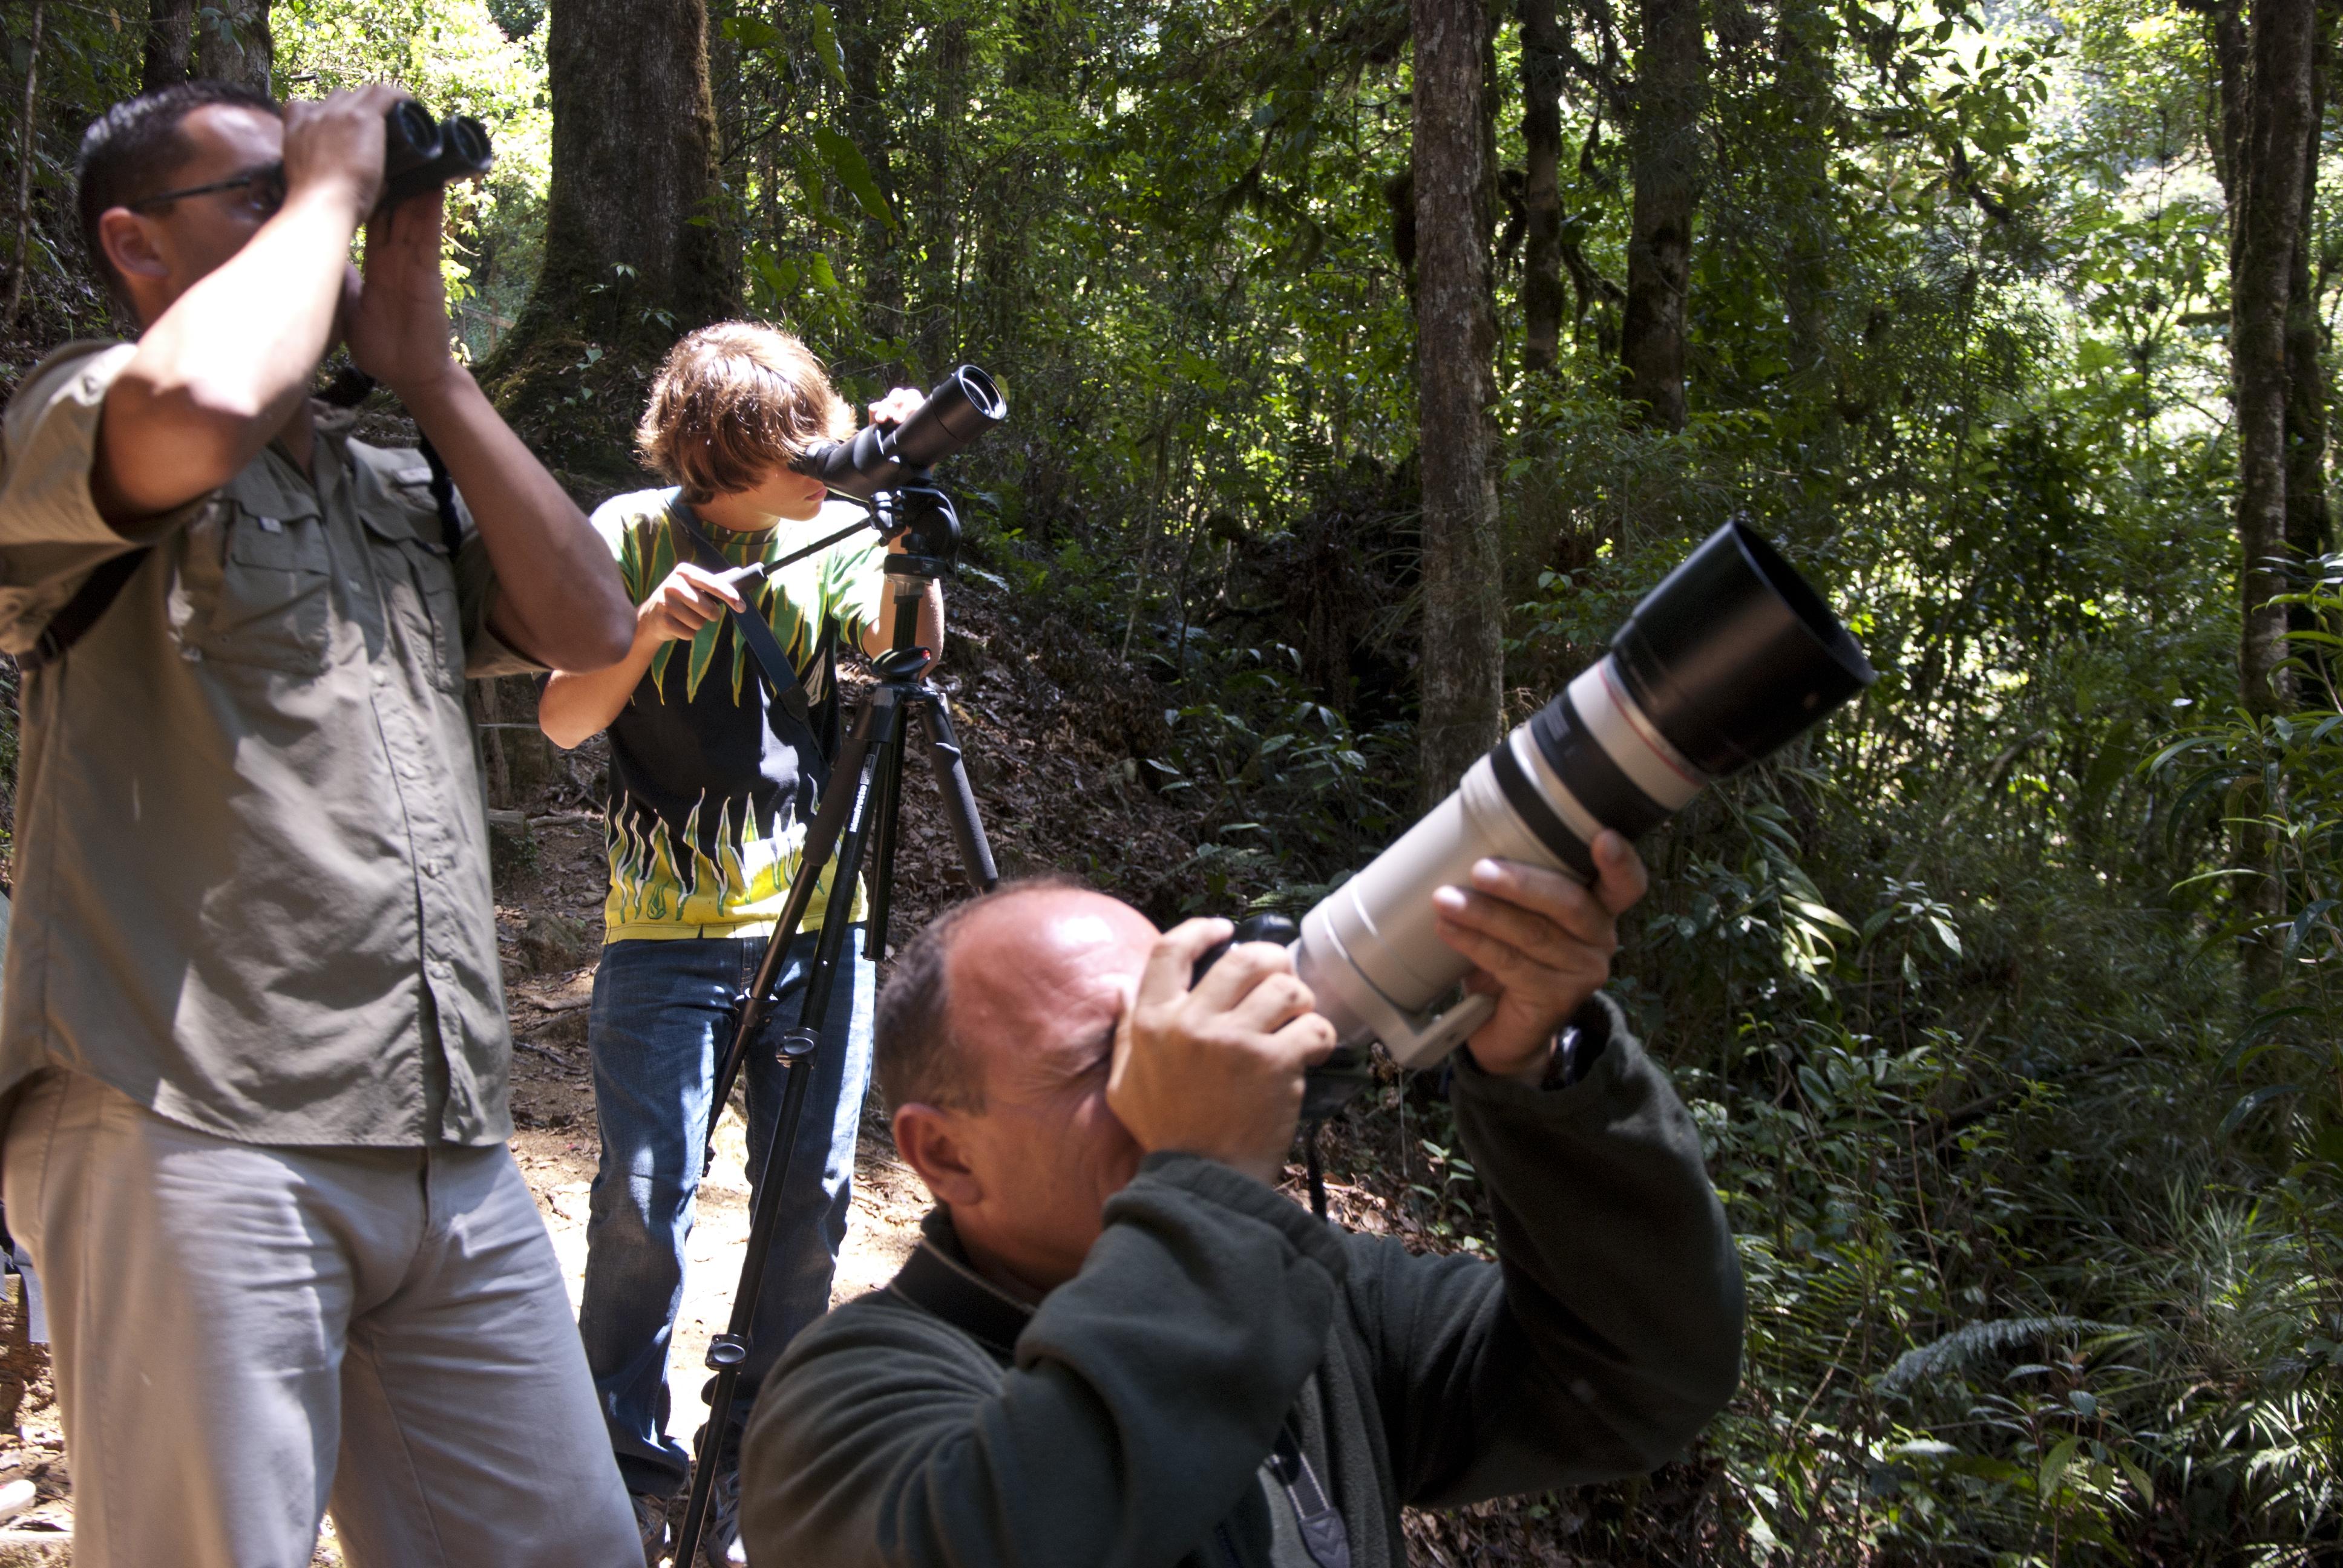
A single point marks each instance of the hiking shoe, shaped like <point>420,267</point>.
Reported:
<point>650,1521</point>
<point>720,1542</point>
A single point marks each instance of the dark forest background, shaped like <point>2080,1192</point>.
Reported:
<point>1367,362</point>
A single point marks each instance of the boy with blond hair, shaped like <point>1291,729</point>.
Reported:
<point>714,778</point>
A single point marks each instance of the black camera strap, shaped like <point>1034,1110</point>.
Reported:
<point>748,624</point>
<point>79,613</point>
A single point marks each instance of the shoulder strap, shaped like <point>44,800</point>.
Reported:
<point>81,612</point>
<point>1322,1532</point>
<point>443,498</point>
<point>749,625</point>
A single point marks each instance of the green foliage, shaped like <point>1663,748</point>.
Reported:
<point>459,57</point>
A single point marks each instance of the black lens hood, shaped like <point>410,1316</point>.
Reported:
<point>1733,654</point>
<point>410,142</point>
<point>963,406</point>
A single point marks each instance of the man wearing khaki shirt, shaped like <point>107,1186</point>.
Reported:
<point>254,1030</point>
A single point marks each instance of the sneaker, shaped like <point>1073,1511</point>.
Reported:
<point>720,1542</point>
<point>650,1521</point>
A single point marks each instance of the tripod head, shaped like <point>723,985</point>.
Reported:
<point>918,512</point>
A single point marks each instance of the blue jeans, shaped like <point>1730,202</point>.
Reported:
<point>663,1012</point>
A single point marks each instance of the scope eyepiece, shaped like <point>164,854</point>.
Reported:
<point>421,155</point>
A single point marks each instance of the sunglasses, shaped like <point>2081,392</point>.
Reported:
<point>263,188</point>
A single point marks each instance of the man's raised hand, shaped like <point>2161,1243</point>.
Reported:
<point>336,143</point>
<point>1216,1069</point>
<point>1542,945</point>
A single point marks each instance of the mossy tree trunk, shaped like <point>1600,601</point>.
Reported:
<point>867,34</point>
<point>635,250</point>
<point>2264,61</point>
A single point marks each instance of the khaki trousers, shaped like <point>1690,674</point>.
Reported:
<point>245,1336</point>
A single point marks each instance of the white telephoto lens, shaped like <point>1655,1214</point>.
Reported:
<point>1731,657</point>
<point>1369,952</point>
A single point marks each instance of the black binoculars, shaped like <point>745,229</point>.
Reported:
<point>421,154</point>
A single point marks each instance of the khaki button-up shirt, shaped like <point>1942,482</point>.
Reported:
<point>251,859</point>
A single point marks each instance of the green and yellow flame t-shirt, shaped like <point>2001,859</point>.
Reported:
<point>712,784</point>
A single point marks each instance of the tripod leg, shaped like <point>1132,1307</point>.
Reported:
<point>828,824</point>
<point>729,1351</point>
<point>887,792</point>
<point>959,802</point>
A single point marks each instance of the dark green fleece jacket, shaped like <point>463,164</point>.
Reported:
<point>1131,1419</point>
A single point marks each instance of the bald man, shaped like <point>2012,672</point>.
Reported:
<point>1118,1344</point>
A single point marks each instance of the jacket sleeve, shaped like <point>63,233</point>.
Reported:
<point>1145,1395</point>
<point>1608,1333</point>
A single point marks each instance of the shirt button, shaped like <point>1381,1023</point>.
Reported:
<point>438,968</point>
<point>381,677</point>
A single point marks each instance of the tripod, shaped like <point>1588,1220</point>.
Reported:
<point>857,817</point>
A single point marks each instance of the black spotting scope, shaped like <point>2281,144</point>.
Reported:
<point>420,154</point>
<point>963,406</point>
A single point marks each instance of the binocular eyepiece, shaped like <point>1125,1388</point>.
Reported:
<point>963,406</point>
<point>421,155</point>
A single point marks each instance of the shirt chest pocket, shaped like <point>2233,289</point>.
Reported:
<point>419,585</point>
<point>260,588</point>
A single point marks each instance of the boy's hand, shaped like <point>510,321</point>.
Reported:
<point>689,599</point>
<point>898,405</point>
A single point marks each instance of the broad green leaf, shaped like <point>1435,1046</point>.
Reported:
<point>845,160</point>
<point>825,44</point>
<point>2054,1469</point>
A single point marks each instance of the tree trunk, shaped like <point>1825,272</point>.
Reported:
<point>2267,136</point>
<point>1542,188</point>
<point>864,38</point>
<point>2307,517</point>
<point>1665,155</point>
<point>626,270</point>
<point>26,125</point>
<point>2267,204</point>
<point>170,53</point>
<point>1462,669</point>
<point>232,42</point>
<point>1807,95</point>
<point>939,336</point>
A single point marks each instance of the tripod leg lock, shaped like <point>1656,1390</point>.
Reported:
<point>799,1044</point>
<point>727,1351</point>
